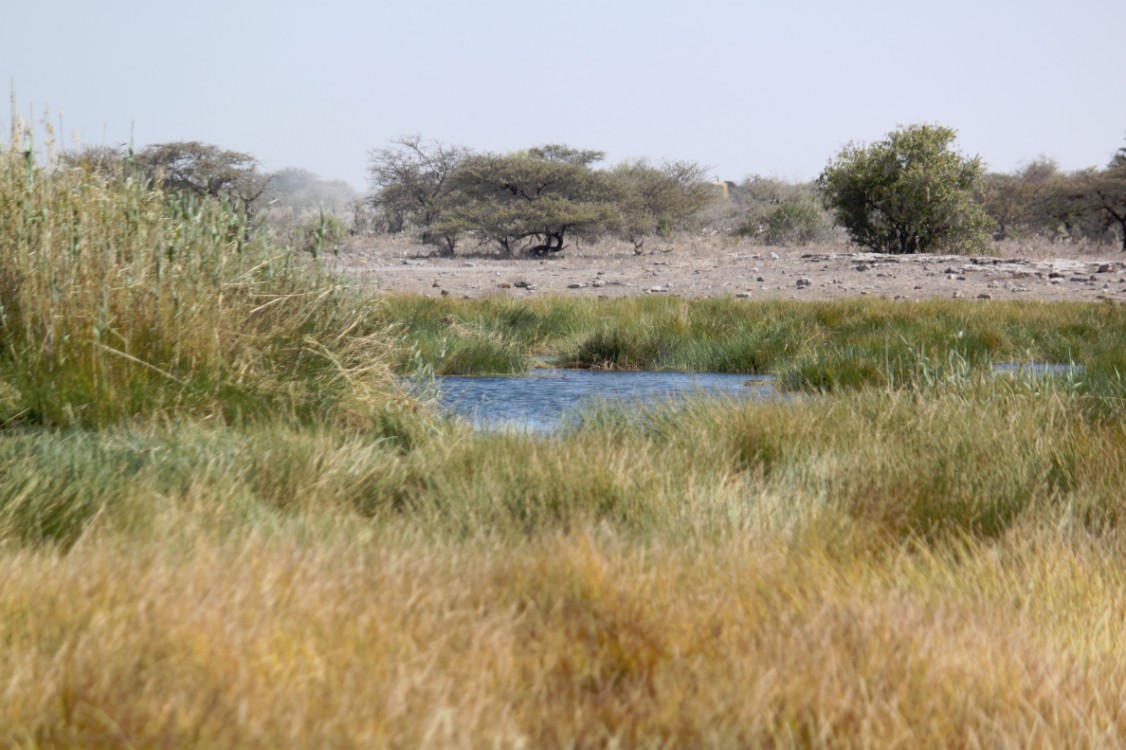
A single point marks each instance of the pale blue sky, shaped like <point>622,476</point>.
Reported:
<point>773,88</point>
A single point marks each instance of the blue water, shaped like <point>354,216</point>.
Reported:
<point>1037,369</point>
<point>542,400</point>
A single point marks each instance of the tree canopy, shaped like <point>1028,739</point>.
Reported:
<point>204,169</point>
<point>656,200</point>
<point>1107,192</point>
<point>529,201</point>
<point>908,193</point>
<point>533,200</point>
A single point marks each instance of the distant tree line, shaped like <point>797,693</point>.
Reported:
<point>295,204</point>
<point>909,192</point>
<point>1040,199</point>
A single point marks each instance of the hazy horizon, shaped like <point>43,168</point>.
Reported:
<point>744,88</point>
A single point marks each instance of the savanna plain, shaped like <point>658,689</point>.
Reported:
<point>225,522</point>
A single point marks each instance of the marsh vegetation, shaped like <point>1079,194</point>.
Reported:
<point>223,522</point>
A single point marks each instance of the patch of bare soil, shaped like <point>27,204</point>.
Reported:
<point>701,267</point>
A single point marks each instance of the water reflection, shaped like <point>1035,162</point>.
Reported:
<point>545,400</point>
<point>1037,369</point>
<point>540,401</point>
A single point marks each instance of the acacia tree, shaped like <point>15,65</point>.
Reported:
<point>659,200</point>
<point>1107,191</point>
<point>1029,201</point>
<point>533,200</point>
<point>206,170</point>
<point>411,186</point>
<point>908,193</point>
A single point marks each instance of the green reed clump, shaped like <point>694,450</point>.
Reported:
<point>118,299</point>
<point>483,337</point>
<point>810,346</point>
<point>55,484</point>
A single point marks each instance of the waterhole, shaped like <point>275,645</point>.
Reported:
<point>543,400</point>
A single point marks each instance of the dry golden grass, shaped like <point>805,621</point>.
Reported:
<point>573,639</point>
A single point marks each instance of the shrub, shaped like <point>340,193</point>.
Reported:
<point>909,193</point>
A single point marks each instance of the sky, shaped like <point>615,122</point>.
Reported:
<point>774,88</point>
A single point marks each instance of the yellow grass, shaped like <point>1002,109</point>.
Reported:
<point>570,640</point>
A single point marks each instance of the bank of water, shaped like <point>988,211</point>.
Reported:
<point>543,400</point>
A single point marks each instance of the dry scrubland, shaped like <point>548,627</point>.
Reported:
<point>222,524</point>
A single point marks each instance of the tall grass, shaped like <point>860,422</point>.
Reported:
<point>954,459</point>
<point>117,300</point>
<point>574,639</point>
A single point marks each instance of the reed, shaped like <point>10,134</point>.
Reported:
<point>118,300</point>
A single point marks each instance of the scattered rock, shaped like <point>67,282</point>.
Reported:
<point>760,279</point>
<point>1104,268</point>
<point>743,295</point>
<point>958,294</point>
<point>435,285</point>
<point>521,284</point>
<point>657,289</point>
<point>803,282</point>
<point>774,256</point>
<point>985,295</point>
<point>504,285</point>
<point>579,285</point>
<point>597,283</point>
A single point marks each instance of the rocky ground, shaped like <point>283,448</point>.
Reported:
<point>723,267</point>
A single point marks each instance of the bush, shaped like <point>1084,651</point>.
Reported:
<point>909,193</point>
<point>781,213</point>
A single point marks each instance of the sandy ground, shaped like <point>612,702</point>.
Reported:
<point>723,267</point>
